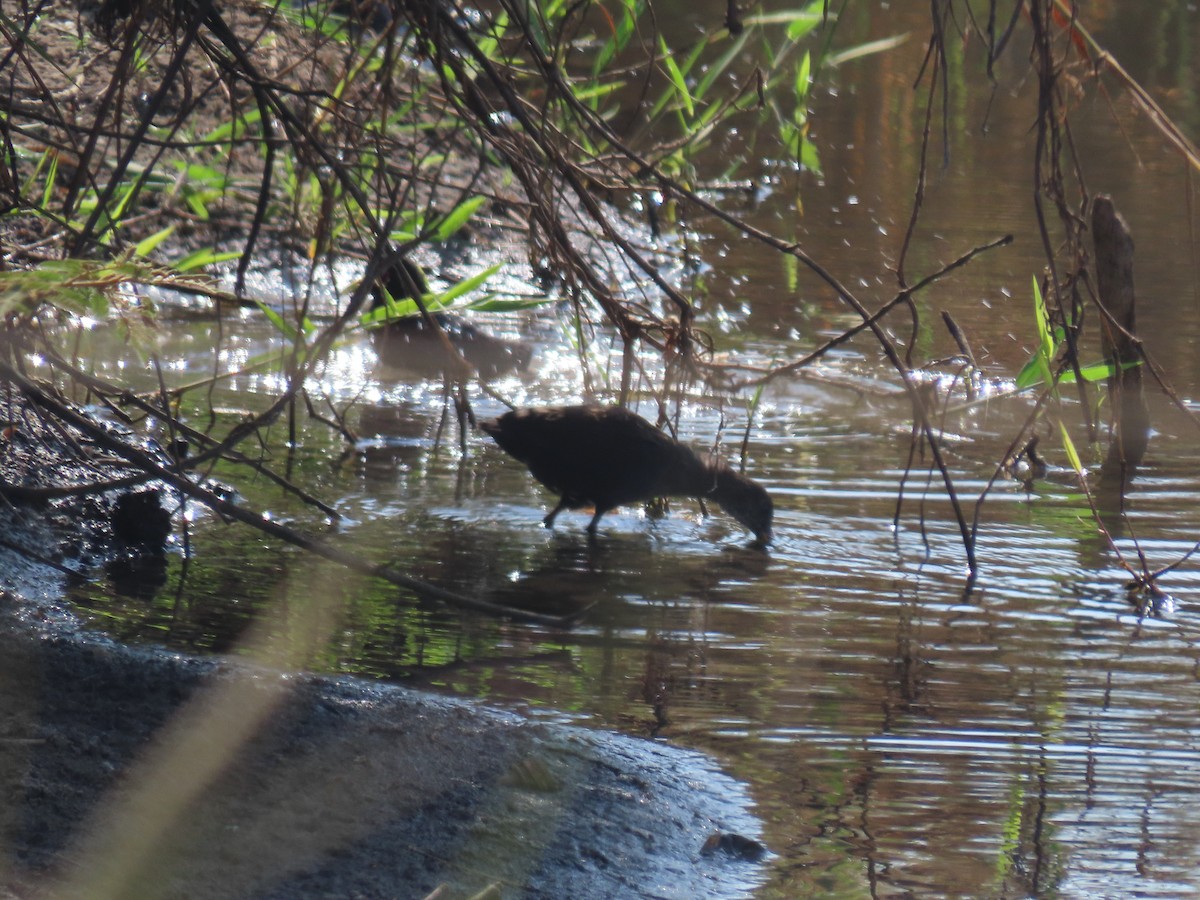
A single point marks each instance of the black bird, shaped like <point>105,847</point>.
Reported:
<point>412,343</point>
<point>605,456</point>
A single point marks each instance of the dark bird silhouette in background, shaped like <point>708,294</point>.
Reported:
<point>605,456</point>
<point>412,342</point>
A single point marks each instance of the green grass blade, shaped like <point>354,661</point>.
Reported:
<point>676,76</point>
<point>208,256</point>
<point>281,324</point>
<point>148,245</point>
<point>1069,447</point>
<point>457,218</point>
<point>868,49</point>
<point>467,285</point>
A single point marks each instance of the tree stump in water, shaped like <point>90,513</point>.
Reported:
<point>1114,282</point>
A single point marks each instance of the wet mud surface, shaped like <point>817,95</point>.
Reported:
<point>143,773</point>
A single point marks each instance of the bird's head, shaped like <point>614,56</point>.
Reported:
<point>745,500</point>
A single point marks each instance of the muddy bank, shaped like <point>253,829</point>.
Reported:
<point>141,773</point>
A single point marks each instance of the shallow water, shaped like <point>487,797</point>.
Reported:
<point>901,735</point>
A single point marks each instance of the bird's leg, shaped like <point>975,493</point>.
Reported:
<point>437,437</point>
<point>549,520</point>
<point>462,406</point>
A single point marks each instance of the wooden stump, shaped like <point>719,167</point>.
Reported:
<point>1114,282</point>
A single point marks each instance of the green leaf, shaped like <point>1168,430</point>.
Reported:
<point>803,77</point>
<point>1030,374</point>
<point>466,285</point>
<point>233,129</point>
<point>622,31</point>
<point>1069,446</point>
<point>869,48</point>
<point>1044,368</point>
<point>201,173</point>
<point>205,257</point>
<point>123,200</point>
<point>390,311</point>
<point>810,159</point>
<point>195,202</point>
<point>1100,371</point>
<point>676,76</point>
<point>147,246</point>
<point>1042,320</point>
<point>489,43</point>
<point>51,179</point>
<point>403,308</point>
<point>398,309</point>
<point>487,304</point>
<point>457,218</point>
<point>74,285</point>
<point>689,64</point>
<point>408,228</point>
<point>597,91</point>
<point>799,22</point>
<point>1037,370</point>
<point>718,68</point>
<point>281,324</point>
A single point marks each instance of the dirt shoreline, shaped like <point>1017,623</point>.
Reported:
<point>125,773</point>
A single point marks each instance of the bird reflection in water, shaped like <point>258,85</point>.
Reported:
<point>424,344</point>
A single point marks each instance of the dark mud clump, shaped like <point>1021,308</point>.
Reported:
<point>141,773</point>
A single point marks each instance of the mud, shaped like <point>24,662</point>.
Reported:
<point>335,787</point>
